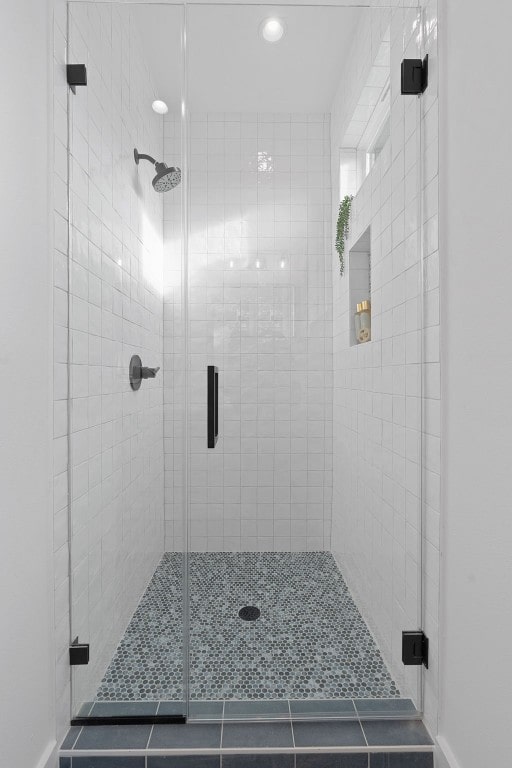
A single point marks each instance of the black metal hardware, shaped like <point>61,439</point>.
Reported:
<point>139,156</point>
<point>414,76</point>
<point>78,653</point>
<point>138,372</point>
<point>213,405</point>
<point>414,648</point>
<point>130,720</point>
<point>149,373</point>
<point>249,613</point>
<point>76,74</point>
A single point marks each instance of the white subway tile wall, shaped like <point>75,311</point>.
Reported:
<point>377,386</point>
<point>260,310</point>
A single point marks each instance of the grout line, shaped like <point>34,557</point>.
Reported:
<point>361,726</point>
<point>149,737</point>
<point>290,710</point>
<point>77,737</point>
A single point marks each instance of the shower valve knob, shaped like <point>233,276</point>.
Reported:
<point>149,373</point>
<point>138,372</point>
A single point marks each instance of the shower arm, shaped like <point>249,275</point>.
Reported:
<point>139,156</point>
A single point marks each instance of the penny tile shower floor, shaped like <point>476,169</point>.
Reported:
<point>309,642</point>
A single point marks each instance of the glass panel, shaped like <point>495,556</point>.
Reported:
<point>305,516</point>
<point>287,554</point>
<point>125,299</point>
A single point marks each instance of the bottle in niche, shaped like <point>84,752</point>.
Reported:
<point>363,321</point>
<point>357,321</point>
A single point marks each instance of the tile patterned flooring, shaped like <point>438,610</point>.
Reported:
<point>310,641</point>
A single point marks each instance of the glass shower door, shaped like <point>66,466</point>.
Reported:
<point>124,287</point>
<point>304,513</point>
<point>246,526</point>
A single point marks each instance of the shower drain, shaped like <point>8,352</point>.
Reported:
<point>249,613</point>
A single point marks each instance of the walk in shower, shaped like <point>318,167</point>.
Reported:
<point>245,467</point>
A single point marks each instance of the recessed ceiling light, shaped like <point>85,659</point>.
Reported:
<point>272,30</point>
<point>160,107</point>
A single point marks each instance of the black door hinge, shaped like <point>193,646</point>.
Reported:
<point>78,653</point>
<point>414,648</point>
<point>414,76</point>
<point>76,74</point>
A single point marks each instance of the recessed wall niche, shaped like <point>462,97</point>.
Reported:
<point>359,276</point>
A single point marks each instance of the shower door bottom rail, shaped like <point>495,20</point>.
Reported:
<point>130,720</point>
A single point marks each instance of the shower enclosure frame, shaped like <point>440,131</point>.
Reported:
<point>185,266</point>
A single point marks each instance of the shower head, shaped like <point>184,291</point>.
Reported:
<point>166,178</point>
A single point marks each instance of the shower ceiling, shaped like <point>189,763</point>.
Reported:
<point>232,69</point>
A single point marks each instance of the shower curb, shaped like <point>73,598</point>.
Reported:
<point>273,745</point>
<point>410,756</point>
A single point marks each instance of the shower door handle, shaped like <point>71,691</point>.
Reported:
<point>213,405</point>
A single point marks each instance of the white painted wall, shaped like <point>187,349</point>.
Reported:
<point>27,710</point>
<point>476,281</point>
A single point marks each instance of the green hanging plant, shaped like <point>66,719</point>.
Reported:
<point>342,229</point>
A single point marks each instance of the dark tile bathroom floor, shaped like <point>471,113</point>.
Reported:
<point>310,641</point>
<point>290,744</point>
